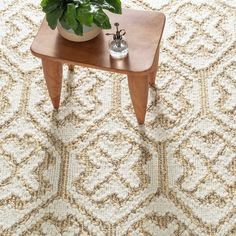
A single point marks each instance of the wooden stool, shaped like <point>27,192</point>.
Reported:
<point>144,32</point>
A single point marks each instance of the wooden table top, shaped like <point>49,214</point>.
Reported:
<point>144,31</point>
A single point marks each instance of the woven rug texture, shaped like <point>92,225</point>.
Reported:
<point>89,169</point>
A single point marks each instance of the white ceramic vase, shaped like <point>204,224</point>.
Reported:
<point>90,32</point>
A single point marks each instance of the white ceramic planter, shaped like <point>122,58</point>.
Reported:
<point>89,33</point>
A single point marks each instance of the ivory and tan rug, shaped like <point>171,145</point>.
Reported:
<point>90,169</point>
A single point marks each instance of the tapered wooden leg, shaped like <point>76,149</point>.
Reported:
<point>71,67</point>
<point>153,73</point>
<point>53,76</point>
<point>152,77</point>
<point>138,88</point>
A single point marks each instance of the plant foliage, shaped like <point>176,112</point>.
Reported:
<point>73,14</point>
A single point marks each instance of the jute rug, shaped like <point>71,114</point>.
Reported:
<point>89,169</point>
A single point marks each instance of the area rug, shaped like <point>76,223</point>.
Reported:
<point>89,169</point>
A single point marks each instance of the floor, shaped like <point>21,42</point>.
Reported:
<point>89,169</point>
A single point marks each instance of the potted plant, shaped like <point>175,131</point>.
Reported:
<point>79,20</point>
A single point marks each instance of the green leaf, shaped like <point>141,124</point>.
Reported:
<point>63,22</point>
<point>50,5</point>
<point>116,4</point>
<point>70,19</point>
<point>84,15</point>
<point>79,29</point>
<point>101,19</point>
<point>111,5</point>
<point>53,16</point>
<point>82,1</point>
<point>70,16</point>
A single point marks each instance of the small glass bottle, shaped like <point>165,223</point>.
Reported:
<point>118,46</point>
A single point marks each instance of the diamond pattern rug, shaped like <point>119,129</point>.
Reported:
<point>89,169</point>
